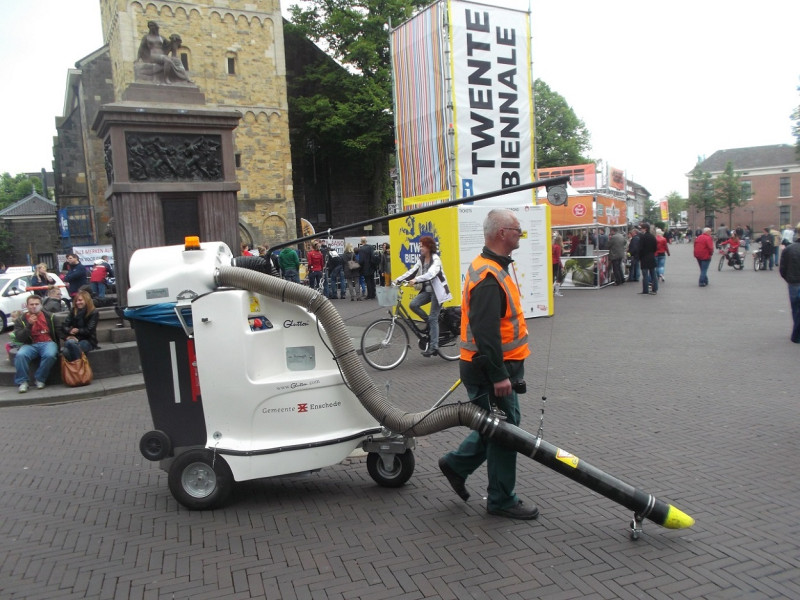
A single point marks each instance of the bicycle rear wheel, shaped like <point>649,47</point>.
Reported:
<point>449,348</point>
<point>384,344</point>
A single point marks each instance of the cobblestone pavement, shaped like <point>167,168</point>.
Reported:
<point>690,395</point>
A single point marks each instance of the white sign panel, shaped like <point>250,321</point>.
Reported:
<point>530,267</point>
<point>493,93</point>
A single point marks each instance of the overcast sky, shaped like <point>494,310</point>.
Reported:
<point>656,85</point>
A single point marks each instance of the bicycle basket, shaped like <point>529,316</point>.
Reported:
<point>387,296</point>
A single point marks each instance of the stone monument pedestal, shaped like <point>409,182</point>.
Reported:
<point>171,173</point>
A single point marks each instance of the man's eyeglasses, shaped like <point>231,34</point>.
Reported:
<point>517,229</point>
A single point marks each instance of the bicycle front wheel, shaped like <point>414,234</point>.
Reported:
<point>384,344</point>
<point>721,262</point>
<point>449,348</point>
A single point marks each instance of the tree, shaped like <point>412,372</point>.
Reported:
<point>652,212</point>
<point>13,188</point>
<point>701,194</point>
<point>676,206</point>
<point>728,191</point>
<point>350,111</point>
<point>561,137</point>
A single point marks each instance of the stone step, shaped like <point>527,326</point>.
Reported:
<point>110,329</point>
<point>110,360</point>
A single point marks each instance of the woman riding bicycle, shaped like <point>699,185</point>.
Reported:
<point>428,272</point>
<point>732,255</point>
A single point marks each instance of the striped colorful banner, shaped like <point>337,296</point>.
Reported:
<point>420,103</point>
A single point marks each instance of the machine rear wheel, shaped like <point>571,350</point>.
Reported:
<point>738,265</point>
<point>155,445</point>
<point>200,480</point>
<point>384,344</point>
<point>401,470</point>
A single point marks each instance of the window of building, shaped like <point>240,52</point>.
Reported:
<point>185,60</point>
<point>747,190</point>
<point>238,160</point>
<point>785,215</point>
<point>786,187</point>
<point>231,65</point>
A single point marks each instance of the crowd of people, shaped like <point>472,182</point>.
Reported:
<point>354,273</point>
<point>36,336</point>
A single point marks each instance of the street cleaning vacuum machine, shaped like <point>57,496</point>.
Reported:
<point>250,376</point>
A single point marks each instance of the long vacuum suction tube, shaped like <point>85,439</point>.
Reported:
<point>443,417</point>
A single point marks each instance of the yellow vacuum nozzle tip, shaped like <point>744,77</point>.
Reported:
<point>677,519</point>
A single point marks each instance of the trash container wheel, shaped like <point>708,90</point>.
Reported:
<point>398,474</point>
<point>155,445</point>
<point>200,479</point>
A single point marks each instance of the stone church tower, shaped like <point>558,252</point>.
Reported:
<point>233,51</point>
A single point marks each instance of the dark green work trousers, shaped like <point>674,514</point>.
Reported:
<point>501,462</point>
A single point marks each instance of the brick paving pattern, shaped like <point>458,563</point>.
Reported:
<point>690,395</point>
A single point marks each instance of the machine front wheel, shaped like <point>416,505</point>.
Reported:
<point>401,470</point>
<point>155,445</point>
<point>200,480</point>
<point>756,263</point>
<point>721,262</point>
<point>384,344</point>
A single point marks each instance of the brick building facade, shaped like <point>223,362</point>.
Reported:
<point>770,176</point>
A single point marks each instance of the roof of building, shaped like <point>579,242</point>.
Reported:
<point>756,157</point>
<point>33,205</point>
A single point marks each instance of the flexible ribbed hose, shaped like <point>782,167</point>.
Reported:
<point>356,376</point>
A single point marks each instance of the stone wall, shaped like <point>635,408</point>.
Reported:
<point>94,92</point>
<point>250,34</point>
<point>34,236</point>
<point>69,162</point>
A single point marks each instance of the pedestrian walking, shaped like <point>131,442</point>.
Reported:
<point>647,256</point>
<point>662,251</point>
<point>703,251</point>
<point>494,345</point>
<point>789,268</point>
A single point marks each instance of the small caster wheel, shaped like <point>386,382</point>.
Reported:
<point>636,530</point>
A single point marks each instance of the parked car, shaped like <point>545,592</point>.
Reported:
<point>14,292</point>
<point>12,296</point>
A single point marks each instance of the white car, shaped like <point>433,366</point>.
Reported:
<point>13,293</point>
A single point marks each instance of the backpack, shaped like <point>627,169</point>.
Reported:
<point>451,318</point>
<point>375,262</point>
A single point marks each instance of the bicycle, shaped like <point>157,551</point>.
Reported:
<point>385,342</point>
<point>734,259</point>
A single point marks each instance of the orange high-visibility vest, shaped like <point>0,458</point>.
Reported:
<point>513,329</point>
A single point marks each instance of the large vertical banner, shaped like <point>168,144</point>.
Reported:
<point>492,89</point>
<point>531,269</point>
<point>420,107</point>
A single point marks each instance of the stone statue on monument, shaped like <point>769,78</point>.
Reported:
<point>158,60</point>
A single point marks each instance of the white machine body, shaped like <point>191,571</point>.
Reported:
<point>273,397</point>
<point>163,274</point>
